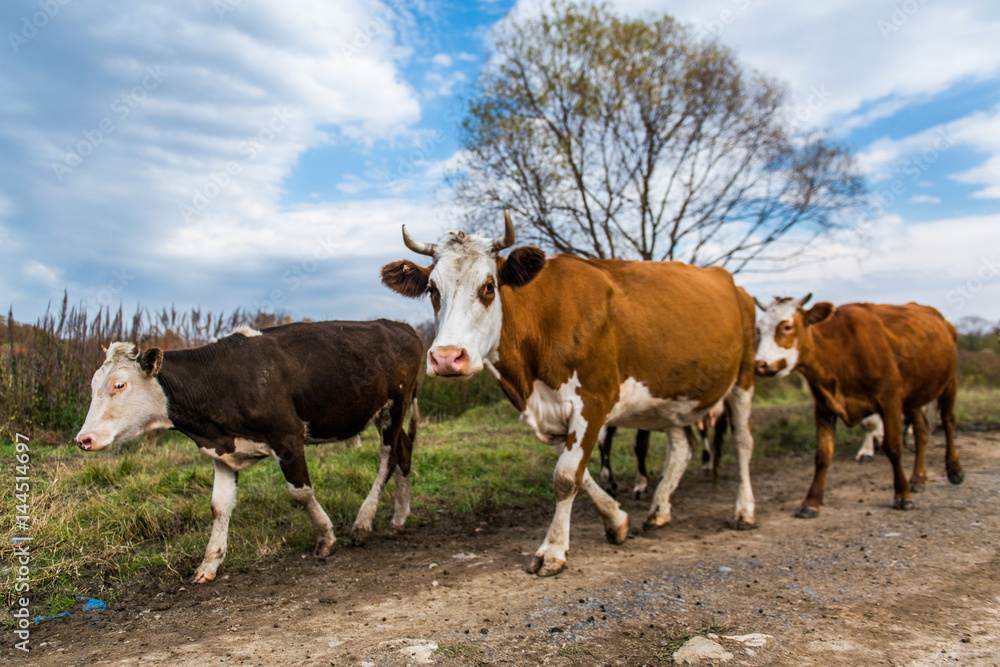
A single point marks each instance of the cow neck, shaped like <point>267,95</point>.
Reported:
<point>189,392</point>
<point>816,374</point>
<point>517,373</point>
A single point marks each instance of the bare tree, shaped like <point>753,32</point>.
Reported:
<point>612,137</point>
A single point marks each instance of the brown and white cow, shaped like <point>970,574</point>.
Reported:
<point>578,343</point>
<point>255,394</point>
<point>862,359</point>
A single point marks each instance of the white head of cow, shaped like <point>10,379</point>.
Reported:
<point>780,330</point>
<point>126,398</point>
<point>464,285</point>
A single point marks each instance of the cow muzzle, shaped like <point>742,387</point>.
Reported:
<point>448,361</point>
<point>769,370</point>
<point>88,443</point>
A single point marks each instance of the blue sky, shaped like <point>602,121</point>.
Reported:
<point>248,153</point>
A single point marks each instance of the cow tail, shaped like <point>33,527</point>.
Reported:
<point>414,418</point>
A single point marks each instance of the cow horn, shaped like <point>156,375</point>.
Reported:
<point>759,304</point>
<point>508,234</point>
<point>418,247</point>
<point>804,300</point>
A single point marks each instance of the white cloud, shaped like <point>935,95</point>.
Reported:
<point>924,199</point>
<point>840,46</point>
<point>952,264</point>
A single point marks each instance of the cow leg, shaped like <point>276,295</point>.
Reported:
<point>826,428</point>
<point>892,422</point>
<point>919,477</point>
<point>946,409</point>
<point>401,510</point>
<point>706,450</point>
<point>291,458</point>
<point>392,453</point>
<point>641,448</point>
<point>738,403</point>
<point>223,502</point>
<point>872,425</point>
<point>608,477</point>
<point>679,445</point>
<point>570,474</point>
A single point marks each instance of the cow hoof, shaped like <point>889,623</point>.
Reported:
<point>549,568</point>
<point>866,458</point>
<point>654,522</point>
<point>637,494</point>
<point>956,476</point>
<point>916,487</point>
<point>397,530</point>
<point>902,504</point>
<point>324,549</point>
<point>618,535</point>
<point>739,523</point>
<point>807,513</point>
<point>203,577</point>
<point>360,535</point>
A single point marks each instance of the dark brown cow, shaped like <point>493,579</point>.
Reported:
<point>258,394</point>
<point>862,359</point>
<point>577,343</point>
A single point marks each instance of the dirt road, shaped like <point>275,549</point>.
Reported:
<point>861,585</point>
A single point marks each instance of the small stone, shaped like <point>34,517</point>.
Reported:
<point>699,650</point>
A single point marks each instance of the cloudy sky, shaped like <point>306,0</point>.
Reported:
<point>263,154</point>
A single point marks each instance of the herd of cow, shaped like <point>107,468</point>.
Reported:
<point>579,346</point>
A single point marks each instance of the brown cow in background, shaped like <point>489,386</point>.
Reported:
<point>862,359</point>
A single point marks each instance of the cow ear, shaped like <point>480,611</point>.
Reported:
<point>406,278</point>
<point>150,361</point>
<point>819,312</point>
<point>521,266</point>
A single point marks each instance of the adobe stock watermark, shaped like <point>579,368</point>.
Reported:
<point>121,108</point>
<point>120,279</point>
<point>965,292</point>
<point>378,24</point>
<point>224,7</point>
<point>297,275</point>
<point>901,14</point>
<point>21,559</point>
<point>218,181</point>
<point>716,26</point>
<point>30,27</point>
<point>408,164</point>
<point>914,168</point>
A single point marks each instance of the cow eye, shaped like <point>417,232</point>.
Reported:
<point>119,385</point>
<point>488,288</point>
<point>787,328</point>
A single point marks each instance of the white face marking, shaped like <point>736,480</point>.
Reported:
<point>548,411</point>
<point>779,313</point>
<point>125,402</point>
<point>638,408</point>
<point>462,266</point>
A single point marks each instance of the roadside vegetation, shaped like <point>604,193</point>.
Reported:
<point>101,522</point>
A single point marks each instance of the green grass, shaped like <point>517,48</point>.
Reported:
<point>465,651</point>
<point>101,520</point>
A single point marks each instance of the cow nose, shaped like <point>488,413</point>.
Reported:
<point>85,443</point>
<point>449,360</point>
<point>761,367</point>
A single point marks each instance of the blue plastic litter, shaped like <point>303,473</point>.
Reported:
<point>92,604</point>
<point>42,618</point>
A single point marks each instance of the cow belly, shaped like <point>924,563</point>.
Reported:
<point>638,408</point>
<point>547,411</point>
<point>246,454</point>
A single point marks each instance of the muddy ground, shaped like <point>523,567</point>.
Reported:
<point>860,585</point>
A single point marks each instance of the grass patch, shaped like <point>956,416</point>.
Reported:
<point>100,521</point>
<point>465,651</point>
